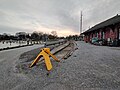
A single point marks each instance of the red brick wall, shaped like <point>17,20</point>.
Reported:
<point>107,34</point>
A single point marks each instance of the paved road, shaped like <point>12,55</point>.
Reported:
<point>7,60</point>
<point>89,68</point>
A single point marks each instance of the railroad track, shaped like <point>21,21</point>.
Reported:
<point>67,51</point>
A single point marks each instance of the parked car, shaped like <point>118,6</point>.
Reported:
<point>97,41</point>
<point>94,39</point>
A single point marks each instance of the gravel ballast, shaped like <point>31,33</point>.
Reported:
<point>88,68</point>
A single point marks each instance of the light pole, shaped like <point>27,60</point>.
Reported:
<point>81,22</point>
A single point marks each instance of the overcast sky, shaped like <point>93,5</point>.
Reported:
<point>62,16</point>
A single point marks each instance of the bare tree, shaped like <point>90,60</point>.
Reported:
<point>54,33</point>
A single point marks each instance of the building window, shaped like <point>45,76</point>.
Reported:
<point>97,35</point>
<point>103,35</point>
<point>119,33</point>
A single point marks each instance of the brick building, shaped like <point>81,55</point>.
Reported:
<point>107,31</point>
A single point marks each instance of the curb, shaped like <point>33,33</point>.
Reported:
<point>14,47</point>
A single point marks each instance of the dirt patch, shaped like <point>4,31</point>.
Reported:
<point>25,59</point>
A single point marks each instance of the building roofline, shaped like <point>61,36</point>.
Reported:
<point>113,20</point>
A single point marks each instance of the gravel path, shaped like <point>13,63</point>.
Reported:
<point>89,68</point>
<point>93,68</point>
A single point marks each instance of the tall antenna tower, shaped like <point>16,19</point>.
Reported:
<point>81,22</point>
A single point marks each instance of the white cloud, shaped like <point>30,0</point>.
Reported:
<point>59,15</point>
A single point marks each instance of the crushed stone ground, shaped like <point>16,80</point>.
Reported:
<point>90,67</point>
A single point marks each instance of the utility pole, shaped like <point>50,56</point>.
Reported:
<point>81,22</point>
